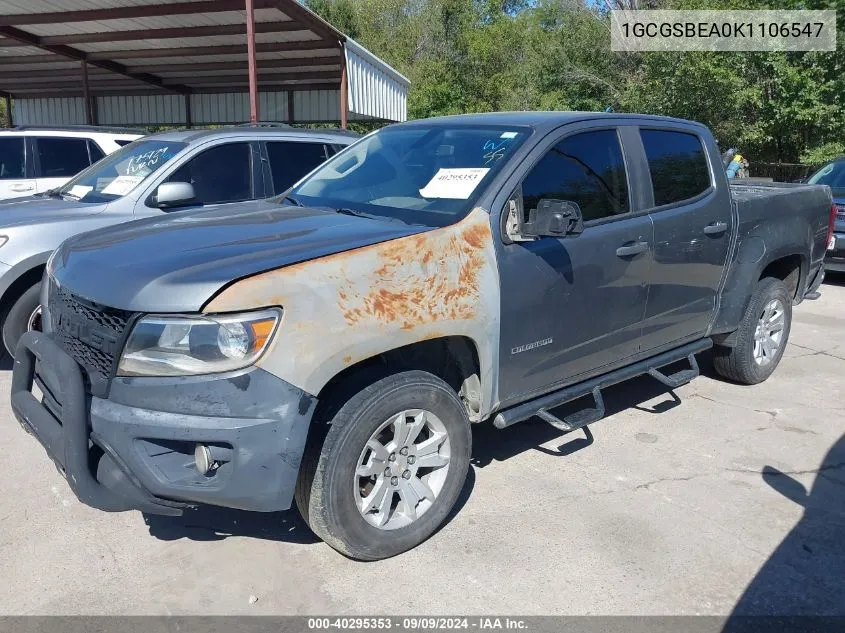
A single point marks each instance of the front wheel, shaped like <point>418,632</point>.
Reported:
<point>390,468</point>
<point>761,337</point>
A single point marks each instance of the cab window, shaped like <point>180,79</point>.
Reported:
<point>586,168</point>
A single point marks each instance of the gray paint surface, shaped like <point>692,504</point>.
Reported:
<point>177,263</point>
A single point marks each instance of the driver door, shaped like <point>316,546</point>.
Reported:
<point>573,306</point>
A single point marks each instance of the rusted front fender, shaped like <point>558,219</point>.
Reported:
<point>348,307</point>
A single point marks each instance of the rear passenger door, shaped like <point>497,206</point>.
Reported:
<point>58,159</point>
<point>16,177</point>
<point>291,160</point>
<point>692,228</point>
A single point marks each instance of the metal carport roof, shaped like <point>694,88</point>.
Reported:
<point>187,62</point>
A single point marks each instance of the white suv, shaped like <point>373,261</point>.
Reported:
<point>37,159</point>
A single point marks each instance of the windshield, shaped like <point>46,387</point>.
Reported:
<point>419,175</point>
<point>832,175</point>
<point>119,173</point>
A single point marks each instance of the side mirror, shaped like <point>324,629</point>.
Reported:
<point>553,218</point>
<point>170,195</point>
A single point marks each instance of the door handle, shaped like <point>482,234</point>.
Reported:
<point>716,228</point>
<point>20,188</point>
<point>632,249</point>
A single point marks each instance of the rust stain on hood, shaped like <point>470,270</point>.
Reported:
<point>346,307</point>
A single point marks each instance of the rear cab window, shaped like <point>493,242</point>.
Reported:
<point>678,165</point>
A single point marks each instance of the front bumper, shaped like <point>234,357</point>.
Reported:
<point>135,449</point>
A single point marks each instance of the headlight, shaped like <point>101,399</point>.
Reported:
<point>205,344</point>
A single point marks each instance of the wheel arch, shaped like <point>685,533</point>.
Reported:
<point>18,279</point>
<point>454,359</point>
<point>787,265</point>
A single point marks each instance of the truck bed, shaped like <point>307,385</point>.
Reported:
<point>764,191</point>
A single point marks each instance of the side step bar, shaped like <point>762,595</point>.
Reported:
<point>540,406</point>
<point>678,378</point>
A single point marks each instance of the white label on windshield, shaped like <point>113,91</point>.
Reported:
<point>122,185</point>
<point>508,135</point>
<point>79,191</point>
<point>455,184</point>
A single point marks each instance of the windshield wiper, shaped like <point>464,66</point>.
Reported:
<point>363,214</point>
<point>293,200</point>
<point>356,213</point>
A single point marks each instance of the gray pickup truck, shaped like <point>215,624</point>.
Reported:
<point>334,345</point>
<point>157,175</point>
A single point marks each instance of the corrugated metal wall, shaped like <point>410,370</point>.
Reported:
<point>375,89</point>
<point>68,111</point>
<point>141,109</point>
<point>206,109</point>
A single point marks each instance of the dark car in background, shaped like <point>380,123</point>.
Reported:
<point>833,175</point>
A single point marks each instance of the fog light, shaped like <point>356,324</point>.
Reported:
<point>202,458</point>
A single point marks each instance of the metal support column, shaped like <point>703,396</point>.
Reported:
<point>8,99</point>
<point>86,93</point>
<point>253,70</point>
<point>344,90</point>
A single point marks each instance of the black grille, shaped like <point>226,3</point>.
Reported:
<point>89,333</point>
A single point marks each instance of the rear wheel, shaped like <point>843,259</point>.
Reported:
<point>761,337</point>
<point>389,469</point>
<point>24,315</point>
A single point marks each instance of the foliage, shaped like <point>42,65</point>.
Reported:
<point>480,55</point>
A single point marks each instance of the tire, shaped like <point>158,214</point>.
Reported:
<point>330,489</point>
<point>738,363</point>
<point>17,319</point>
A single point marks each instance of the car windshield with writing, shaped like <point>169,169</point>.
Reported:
<point>832,175</point>
<point>428,175</point>
<point>119,173</point>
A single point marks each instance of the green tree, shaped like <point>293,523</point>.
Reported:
<point>478,55</point>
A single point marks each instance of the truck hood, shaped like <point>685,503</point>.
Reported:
<point>176,264</point>
<point>41,209</point>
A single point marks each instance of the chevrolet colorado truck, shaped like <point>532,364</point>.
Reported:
<point>334,345</point>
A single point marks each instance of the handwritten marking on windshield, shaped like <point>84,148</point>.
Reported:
<point>146,161</point>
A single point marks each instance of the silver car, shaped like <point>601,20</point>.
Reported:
<point>161,173</point>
